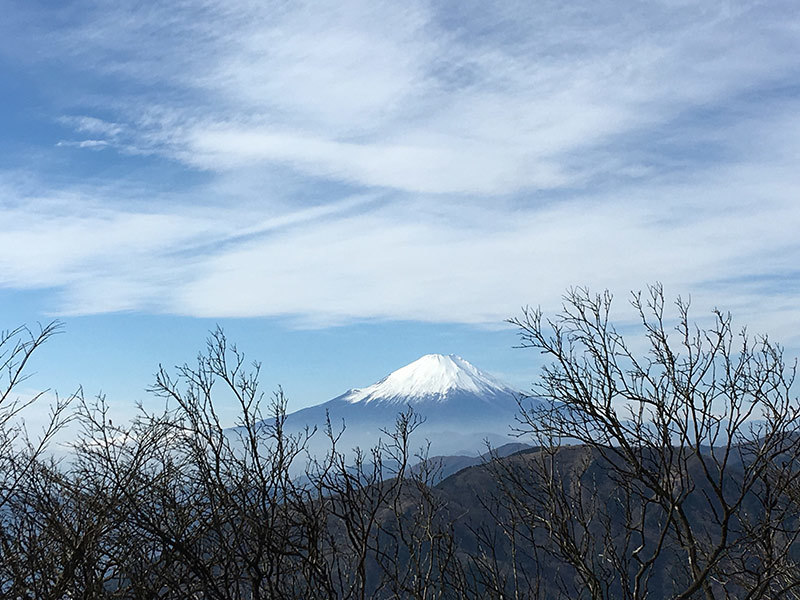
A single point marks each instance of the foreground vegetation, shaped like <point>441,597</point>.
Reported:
<point>671,473</point>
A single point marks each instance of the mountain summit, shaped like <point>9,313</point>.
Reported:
<point>433,377</point>
<point>461,405</point>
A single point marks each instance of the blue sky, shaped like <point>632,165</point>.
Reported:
<point>345,186</point>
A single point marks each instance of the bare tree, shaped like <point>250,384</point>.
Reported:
<point>672,481</point>
<point>181,504</point>
<point>668,473</point>
<point>18,450</point>
<point>21,454</point>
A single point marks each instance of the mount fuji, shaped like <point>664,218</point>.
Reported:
<point>461,405</point>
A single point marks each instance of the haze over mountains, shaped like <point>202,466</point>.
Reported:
<point>462,407</point>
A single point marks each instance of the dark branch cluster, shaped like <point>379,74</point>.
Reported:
<point>666,469</point>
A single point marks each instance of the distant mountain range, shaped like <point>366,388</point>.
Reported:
<point>463,407</point>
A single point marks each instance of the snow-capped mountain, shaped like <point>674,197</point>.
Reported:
<point>432,378</point>
<point>462,406</point>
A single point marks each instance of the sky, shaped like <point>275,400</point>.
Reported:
<point>345,186</point>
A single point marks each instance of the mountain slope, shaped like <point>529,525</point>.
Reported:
<point>462,406</point>
<point>434,378</point>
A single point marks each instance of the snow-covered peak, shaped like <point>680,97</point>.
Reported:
<point>433,376</point>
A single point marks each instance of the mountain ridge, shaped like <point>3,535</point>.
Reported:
<point>430,377</point>
<point>461,406</point>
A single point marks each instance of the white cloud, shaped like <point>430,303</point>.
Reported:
<point>454,262</point>
<point>398,96</point>
<point>388,161</point>
<point>403,263</point>
<point>83,143</point>
<point>427,166</point>
<point>92,125</point>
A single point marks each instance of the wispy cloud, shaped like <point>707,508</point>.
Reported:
<point>403,161</point>
<point>92,125</point>
<point>83,143</point>
<point>405,98</point>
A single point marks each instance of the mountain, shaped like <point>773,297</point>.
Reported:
<point>445,466</point>
<point>434,379</point>
<point>462,407</point>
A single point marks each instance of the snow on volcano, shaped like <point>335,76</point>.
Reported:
<point>434,377</point>
<point>461,405</point>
